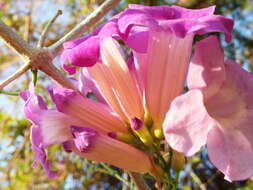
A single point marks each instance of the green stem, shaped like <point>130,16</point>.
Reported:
<point>9,93</point>
<point>34,76</point>
<point>108,170</point>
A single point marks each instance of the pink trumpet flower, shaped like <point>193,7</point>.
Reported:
<point>161,42</point>
<point>69,129</point>
<point>217,112</point>
<point>128,88</point>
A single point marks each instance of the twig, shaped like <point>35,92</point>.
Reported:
<point>46,29</point>
<point>108,170</point>
<point>36,57</point>
<point>139,181</point>
<point>90,20</point>
<point>15,75</point>
<point>41,42</point>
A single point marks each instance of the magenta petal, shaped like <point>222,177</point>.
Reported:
<point>110,29</point>
<point>173,12</point>
<point>39,152</point>
<point>83,137</point>
<point>34,105</point>
<point>135,17</point>
<point>179,20</point>
<point>231,152</point>
<point>136,124</point>
<point>74,43</point>
<point>138,39</point>
<point>214,23</point>
<point>67,145</point>
<point>206,70</point>
<point>85,54</point>
<point>65,63</point>
<point>187,123</point>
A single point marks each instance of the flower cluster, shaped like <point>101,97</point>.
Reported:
<point>137,94</point>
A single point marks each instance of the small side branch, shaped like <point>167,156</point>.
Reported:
<point>46,29</point>
<point>15,75</point>
<point>8,93</point>
<point>95,16</point>
<point>139,181</point>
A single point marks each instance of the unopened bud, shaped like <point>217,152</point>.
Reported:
<point>148,120</point>
<point>157,130</point>
<point>141,130</point>
<point>177,161</point>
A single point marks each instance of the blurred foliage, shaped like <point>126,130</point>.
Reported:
<point>28,17</point>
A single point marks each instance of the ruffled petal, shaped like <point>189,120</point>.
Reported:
<point>49,127</point>
<point>34,105</point>
<point>187,123</point>
<point>39,151</point>
<point>83,137</point>
<point>230,104</point>
<point>207,70</point>
<point>180,21</point>
<point>135,17</point>
<point>173,12</point>
<point>231,152</point>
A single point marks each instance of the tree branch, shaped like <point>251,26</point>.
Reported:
<point>15,75</point>
<point>95,16</point>
<point>15,42</point>
<point>41,58</point>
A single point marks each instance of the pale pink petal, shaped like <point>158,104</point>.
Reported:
<point>242,79</point>
<point>187,123</point>
<point>206,70</point>
<point>105,149</point>
<point>231,152</point>
<point>103,81</point>
<point>92,113</point>
<point>55,127</point>
<point>230,104</point>
<point>123,83</point>
<point>167,64</point>
<point>87,85</point>
<point>140,63</point>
